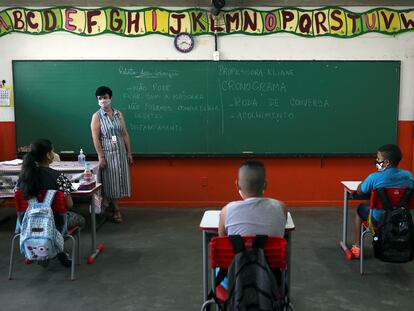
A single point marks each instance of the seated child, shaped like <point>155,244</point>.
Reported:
<point>388,175</point>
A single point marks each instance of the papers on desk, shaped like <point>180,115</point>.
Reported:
<point>14,162</point>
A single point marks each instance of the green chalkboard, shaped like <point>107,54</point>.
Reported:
<point>214,108</point>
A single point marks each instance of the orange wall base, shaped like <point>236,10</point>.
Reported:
<point>7,141</point>
<point>209,182</point>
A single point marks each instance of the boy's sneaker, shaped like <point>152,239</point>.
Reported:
<point>356,251</point>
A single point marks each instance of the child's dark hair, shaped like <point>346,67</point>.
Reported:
<point>103,90</point>
<point>391,153</point>
<point>254,164</point>
<point>257,179</point>
<point>29,176</point>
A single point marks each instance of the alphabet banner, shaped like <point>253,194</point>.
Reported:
<point>326,21</point>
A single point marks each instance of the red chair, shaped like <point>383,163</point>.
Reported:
<point>221,256</point>
<point>58,206</point>
<point>394,196</point>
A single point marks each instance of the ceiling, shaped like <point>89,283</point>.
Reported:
<point>205,3</point>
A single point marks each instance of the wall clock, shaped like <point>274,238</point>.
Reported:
<point>184,42</point>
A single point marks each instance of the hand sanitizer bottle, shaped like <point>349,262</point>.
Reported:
<point>81,158</point>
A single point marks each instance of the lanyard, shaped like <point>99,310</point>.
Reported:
<point>111,123</point>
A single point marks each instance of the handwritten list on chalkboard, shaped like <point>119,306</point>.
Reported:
<point>217,108</point>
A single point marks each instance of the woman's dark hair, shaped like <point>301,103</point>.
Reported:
<point>103,90</point>
<point>29,176</point>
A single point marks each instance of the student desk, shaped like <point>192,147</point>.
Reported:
<point>3,198</point>
<point>66,167</point>
<point>6,193</point>
<point>209,227</point>
<point>350,193</point>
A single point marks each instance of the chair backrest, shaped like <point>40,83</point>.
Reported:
<point>394,196</point>
<point>221,251</point>
<point>58,204</point>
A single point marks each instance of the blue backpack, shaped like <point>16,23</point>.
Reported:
<point>39,238</point>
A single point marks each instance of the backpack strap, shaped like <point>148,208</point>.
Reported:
<point>50,194</point>
<point>384,199</point>
<point>407,196</point>
<point>32,201</point>
<point>259,241</point>
<point>237,243</point>
<point>221,275</point>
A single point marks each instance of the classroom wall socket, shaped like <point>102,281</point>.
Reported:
<point>204,181</point>
<point>216,56</point>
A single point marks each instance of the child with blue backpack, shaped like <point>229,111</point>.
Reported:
<point>37,176</point>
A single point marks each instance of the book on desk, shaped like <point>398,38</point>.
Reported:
<point>84,185</point>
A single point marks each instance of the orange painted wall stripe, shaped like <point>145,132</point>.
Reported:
<point>207,182</point>
<point>7,141</point>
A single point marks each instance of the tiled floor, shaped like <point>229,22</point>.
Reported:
<point>152,261</point>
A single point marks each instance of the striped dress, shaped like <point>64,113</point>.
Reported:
<point>115,176</point>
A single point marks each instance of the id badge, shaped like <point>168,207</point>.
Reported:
<point>113,139</point>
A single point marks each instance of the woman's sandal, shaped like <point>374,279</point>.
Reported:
<point>117,217</point>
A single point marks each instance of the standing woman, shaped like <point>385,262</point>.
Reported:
<point>112,144</point>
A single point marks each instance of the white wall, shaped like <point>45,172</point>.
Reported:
<point>63,45</point>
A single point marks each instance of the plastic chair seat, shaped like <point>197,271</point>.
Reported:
<point>222,253</point>
<point>221,293</point>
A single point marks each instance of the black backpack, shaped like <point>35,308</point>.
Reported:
<point>394,238</point>
<point>252,285</point>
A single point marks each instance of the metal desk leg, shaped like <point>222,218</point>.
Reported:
<point>205,265</point>
<point>343,243</point>
<point>6,218</point>
<point>96,249</point>
<point>289,256</point>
